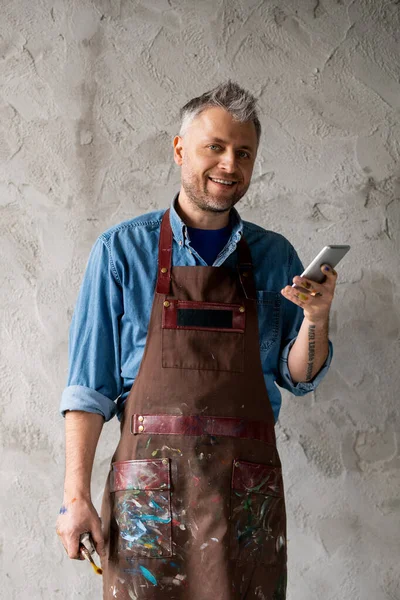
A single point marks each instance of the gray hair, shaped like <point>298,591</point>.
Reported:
<point>229,96</point>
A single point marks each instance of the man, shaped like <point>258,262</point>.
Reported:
<point>187,318</point>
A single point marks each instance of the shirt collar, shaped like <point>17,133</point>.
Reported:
<point>179,229</point>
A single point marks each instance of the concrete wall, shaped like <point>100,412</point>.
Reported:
<point>89,100</point>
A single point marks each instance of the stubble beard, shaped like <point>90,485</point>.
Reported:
<point>206,201</point>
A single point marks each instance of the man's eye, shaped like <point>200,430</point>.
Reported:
<point>242,153</point>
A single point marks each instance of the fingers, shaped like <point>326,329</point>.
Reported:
<point>75,520</point>
<point>294,295</point>
<point>307,286</point>
<point>72,547</point>
<point>331,277</point>
<point>98,539</point>
<point>70,541</point>
<point>314,288</point>
<point>314,298</point>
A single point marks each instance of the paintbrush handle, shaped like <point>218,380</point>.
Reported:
<point>86,541</point>
<point>85,552</point>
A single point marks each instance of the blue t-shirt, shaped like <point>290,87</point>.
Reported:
<point>208,243</point>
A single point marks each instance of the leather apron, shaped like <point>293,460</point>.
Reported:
<point>193,507</point>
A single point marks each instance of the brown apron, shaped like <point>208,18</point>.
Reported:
<point>193,507</point>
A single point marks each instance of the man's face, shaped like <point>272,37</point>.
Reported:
<point>217,147</point>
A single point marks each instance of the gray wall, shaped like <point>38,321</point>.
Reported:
<point>89,100</point>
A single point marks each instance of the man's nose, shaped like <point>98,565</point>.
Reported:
<point>228,162</point>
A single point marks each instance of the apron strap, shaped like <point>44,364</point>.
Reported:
<point>202,425</point>
<point>164,256</point>
<point>245,263</point>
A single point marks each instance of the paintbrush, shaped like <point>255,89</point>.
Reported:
<point>86,539</point>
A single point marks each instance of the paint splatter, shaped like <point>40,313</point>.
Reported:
<point>154,504</point>
<point>177,450</point>
<point>147,445</point>
<point>178,579</point>
<point>148,575</point>
<point>63,510</point>
<point>143,526</point>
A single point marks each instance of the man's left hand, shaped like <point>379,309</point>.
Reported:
<point>314,298</point>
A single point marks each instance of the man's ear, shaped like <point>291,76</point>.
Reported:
<point>178,149</point>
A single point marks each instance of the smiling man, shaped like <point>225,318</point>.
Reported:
<point>185,322</point>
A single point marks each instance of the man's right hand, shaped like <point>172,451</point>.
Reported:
<point>78,516</point>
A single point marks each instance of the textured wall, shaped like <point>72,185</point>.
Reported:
<point>89,99</point>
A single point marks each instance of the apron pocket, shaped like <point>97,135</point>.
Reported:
<point>257,513</point>
<point>142,507</point>
<point>203,336</point>
<point>269,316</point>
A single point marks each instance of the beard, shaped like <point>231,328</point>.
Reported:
<point>200,195</point>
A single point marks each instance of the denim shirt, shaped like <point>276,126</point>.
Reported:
<point>110,321</point>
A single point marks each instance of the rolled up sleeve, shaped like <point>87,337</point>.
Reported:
<point>94,382</point>
<point>292,320</point>
<point>302,387</point>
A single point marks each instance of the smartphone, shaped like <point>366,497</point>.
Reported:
<point>329,255</point>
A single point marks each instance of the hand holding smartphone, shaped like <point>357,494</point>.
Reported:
<point>330,255</point>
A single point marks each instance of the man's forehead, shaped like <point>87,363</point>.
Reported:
<point>218,125</point>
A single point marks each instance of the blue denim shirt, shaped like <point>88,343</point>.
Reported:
<point>109,325</point>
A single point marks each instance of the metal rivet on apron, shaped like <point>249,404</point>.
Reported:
<point>166,304</point>
<point>241,309</point>
<point>140,428</point>
<point>140,418</point>
<point>164,270</point>
<point>165,461</point>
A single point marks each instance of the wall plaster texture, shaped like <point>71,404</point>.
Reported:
<point>89,100</point>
